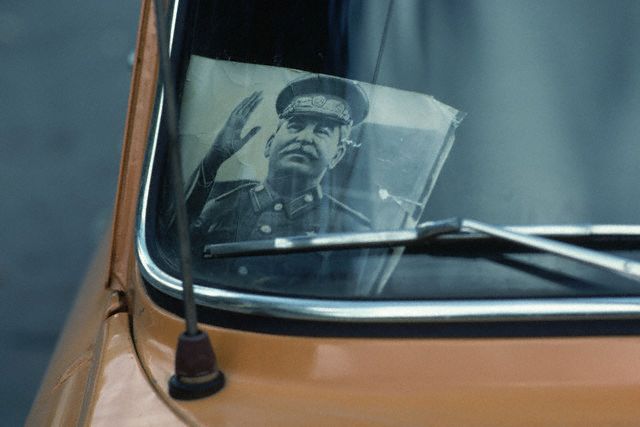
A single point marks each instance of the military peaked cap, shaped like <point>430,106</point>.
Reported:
<point>318,95</point>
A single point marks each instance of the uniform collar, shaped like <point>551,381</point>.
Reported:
<point>265,198</point>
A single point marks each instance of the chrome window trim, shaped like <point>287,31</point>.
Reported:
<point>380,311</point>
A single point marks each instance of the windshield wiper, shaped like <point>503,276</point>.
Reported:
<point>424,234</point>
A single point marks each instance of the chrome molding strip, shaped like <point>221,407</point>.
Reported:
<point>579,230</point>
<point>396,311</point>
<point>385,311</point>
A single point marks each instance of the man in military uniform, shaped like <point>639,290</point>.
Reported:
<point>316,115</point>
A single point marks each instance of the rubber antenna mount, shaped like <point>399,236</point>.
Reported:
<point>197,374</point>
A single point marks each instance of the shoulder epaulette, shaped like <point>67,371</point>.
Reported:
<point>236,189</point>
<point>352,211</point>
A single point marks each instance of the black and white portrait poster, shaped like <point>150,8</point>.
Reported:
<point>392,143</point>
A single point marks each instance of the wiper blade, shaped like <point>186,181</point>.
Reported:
<point>331,241</point>
<point>423,234</point>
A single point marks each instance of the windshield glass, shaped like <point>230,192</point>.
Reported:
<point>314,117</point>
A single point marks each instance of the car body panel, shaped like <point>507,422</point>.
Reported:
<point>59,399</point>
<point>286,380</point>
<point>122,383</point>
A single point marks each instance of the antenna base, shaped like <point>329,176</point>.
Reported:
<point>197,374</point>
<point>180,390</point>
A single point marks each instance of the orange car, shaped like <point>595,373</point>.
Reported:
<point>300,176</point>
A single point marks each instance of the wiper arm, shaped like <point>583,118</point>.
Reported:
<point>331,241</point>
<point>616,264</point>
<point>423,234</point>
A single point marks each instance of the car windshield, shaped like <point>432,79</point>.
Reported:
<point>305,118</point>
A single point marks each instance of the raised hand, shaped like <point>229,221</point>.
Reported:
<point>230,140</point>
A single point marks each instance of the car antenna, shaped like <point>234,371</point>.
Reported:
<point>196,369</point>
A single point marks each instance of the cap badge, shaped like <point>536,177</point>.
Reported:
<point>319,100</point>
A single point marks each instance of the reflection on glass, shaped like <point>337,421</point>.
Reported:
<point>551,89</point>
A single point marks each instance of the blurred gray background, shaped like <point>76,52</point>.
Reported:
<point>64,83</point>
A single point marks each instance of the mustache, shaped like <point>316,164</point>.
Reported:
<point>308,150</point>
